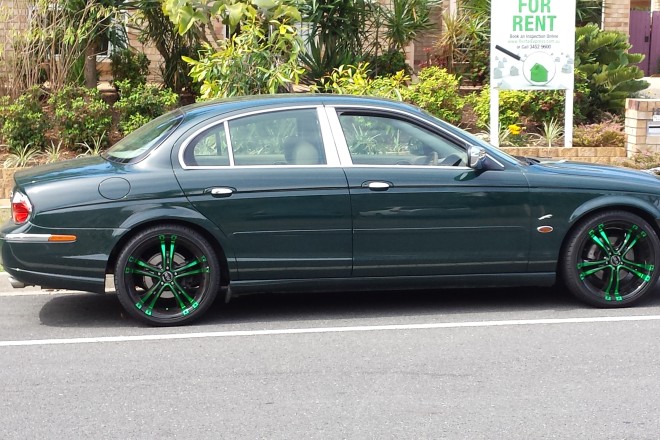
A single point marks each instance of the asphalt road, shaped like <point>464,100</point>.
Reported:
<point>474,364</point>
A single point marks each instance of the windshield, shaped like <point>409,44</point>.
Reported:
<point>138,143</point>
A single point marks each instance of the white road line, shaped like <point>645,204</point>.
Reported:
<point>293,331</point>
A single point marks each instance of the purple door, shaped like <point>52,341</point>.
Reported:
<point>640,37</point>
<point>654,57</point>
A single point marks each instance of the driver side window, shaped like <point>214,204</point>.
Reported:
<point>385,140</point>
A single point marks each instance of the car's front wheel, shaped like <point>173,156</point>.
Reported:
<point>167,275</point>
<point>611,259</point>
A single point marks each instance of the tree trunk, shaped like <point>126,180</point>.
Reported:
<point>90,67</point>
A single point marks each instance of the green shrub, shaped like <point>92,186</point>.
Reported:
<point>437,93</point>
<point>389,64</point>
<point>142,103</point>
<point>604,134</point>
<point>129,65</point>
<point>611,71</point>
<point>80,115</point>
<point>529,108</point>
<point>644,160</point>
<point>355,80</point>
<point>23,122</point>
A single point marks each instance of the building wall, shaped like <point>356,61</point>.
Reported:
<point>616,15</point>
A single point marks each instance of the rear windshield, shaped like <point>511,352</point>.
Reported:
<point>138,143</point>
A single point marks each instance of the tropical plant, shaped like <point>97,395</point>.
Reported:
<point>611,71</point>
<point>260,58</point>
<point>465,42</point>
<point>337,32</point>
<point>588,11</point>
<point>156,28</point>
<point>404,20</point>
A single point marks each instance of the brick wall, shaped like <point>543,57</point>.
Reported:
<point>639,112</point>
<point>616,15</point>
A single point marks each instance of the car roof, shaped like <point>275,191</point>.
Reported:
<point>228,105</point>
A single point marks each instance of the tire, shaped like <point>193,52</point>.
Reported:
<point>611,259</point>
<point>177,292</point>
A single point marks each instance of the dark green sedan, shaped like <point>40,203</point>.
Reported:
<point>319,193</point>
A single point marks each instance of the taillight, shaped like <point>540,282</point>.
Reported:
<point>21,208</point>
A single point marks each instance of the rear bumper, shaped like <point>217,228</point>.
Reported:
<point>56,281</point>
<point>30,256</point>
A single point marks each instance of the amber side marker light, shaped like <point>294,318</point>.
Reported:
<point>63,238</point>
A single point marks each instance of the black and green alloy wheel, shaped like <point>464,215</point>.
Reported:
<point>611,259</point>
<point>167,275</point>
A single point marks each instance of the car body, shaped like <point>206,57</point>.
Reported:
<point>319,192</point>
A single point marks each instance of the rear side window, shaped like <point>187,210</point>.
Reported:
<point>284,137</point>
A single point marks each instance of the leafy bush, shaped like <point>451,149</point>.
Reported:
<point>355,80</point>
<point>388,64</point>
<point>253,61</point>
<point>530,108</point>
<point>604,134</point>
<point>80,115</point>
<point>23,122</point>
<point>138,105</point>
<point>644,160</point>
<point>131,66</point>
<point>611,72</point>
<point>437,93</point>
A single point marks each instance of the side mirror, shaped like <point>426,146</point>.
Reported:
<point>479,160</point>
<point>476,157</point>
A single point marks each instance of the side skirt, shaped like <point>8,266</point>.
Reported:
<point>397,283</point>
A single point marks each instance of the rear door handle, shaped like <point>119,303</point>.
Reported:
<point>379,186</point>
<point>222,192</point>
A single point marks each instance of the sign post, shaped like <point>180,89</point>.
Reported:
<point>532,48</point>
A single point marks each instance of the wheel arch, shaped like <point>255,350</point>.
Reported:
<point>643,209</point>
<point>212,240</point>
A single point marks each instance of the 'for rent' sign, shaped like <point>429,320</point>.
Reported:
<point>532,44</point>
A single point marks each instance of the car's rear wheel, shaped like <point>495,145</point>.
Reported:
<point>167,275</point>
<point>611,259</point>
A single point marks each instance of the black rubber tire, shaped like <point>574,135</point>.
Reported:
<point>618,267</point>
<point>158,295</point>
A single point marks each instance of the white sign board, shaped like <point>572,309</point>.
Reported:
<point>532,48</point>
<point>532,44</point>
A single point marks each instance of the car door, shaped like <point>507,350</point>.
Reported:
<point>418,209</point>
<point>272,184</point>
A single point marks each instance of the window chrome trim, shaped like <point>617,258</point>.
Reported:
<point>186,143</point>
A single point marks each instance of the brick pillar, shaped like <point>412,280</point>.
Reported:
<point>655,5</point>
<point>616,15</point>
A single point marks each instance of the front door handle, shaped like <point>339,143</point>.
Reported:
<point>222,192</point>
<point>379,186</point>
